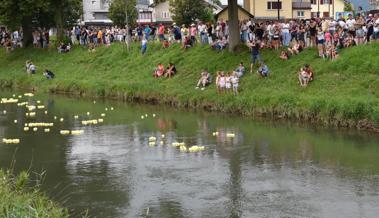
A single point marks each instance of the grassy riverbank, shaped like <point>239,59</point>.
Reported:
<point>16,200</point>
<point>345,92</point>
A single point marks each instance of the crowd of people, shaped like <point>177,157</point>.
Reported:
<point>289,36</point>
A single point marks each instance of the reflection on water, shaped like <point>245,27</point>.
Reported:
<point>266,170</point>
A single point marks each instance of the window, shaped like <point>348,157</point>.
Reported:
<point>271,5</point>
<point>313,2</point>
<point>300,13</point>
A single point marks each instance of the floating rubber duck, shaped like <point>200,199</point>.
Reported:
<point>161,142</point>
<point>163,136</point>
<point>152,143</point>
<point>103,115</point>
<point>4,112</point>
<point>35,129</point>
<point>152,139</point>
<point>27,94</point>
<point>46,130</point>
<point>38,102</point>
<point>32,114</point>
<point>61,119</point>
<point>112,108</point>
<point>26,128</point>
<point>106,109</point>
<point>100,120</point>
<point>154,115</point>
<point>64,132</point>
<point>88,113</point>
<point>8,101</point>
<point>45,112</point>
<point>230,135</point>
<point>89,122</point>
<point>196,148</point>
<point>40,124</point>
<point>11,141</point>
<point>142,117</point>
<point>215,134</point>
<point>183,149</point>
<point>40,106</point>
<point>146,115</point>
<point>94,102</point>
<point>76,117</point>
<point>55,117</point>
<point>77,132</point>
<point>15,121</point>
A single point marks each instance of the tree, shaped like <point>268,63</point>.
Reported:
<point>233,24</point>
<point>65,14</point>
<point>20,13</point>
<point>118,9</point>
<point>348,6</point>
<point>189,11</point>
<point>29,14</point>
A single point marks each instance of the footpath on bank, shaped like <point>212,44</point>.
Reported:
<point>344,93</point>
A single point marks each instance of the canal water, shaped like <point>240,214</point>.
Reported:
<point>267,169</point>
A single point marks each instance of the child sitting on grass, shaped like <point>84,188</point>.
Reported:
<point>263,70</point>
<point>160,71</point>
<point>284,55</point>
<point>204,80</point>
<point>48,74</point>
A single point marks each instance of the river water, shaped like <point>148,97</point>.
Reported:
<point>267,169</point>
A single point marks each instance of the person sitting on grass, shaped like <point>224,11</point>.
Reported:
<point>171,70</point>
<point>220,44</point>
<point>48,74</point>
<point>187,43</point>
<point>295,49</point>
<point>309,71</point>
<point>160,71</point>
<point>27,66</point>
<point>240,70</point>
<point>165,44</point>
<point>63,48</point>
<point>204,80</point>
<point>284,55</point>
<point>32,68</point>
<point>303,78</point>
<point>263,70</point>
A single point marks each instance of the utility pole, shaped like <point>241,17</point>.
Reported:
<point>278,9</point>
<point>318,8</point>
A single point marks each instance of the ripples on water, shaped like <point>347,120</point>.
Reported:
<point>266,170</point>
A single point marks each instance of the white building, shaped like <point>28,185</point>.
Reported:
<point>95,12</point>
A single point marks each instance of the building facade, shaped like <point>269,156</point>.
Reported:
<point>327,8</point>
<point>95,12</point>
<point>161,13</point>
<point>374,4</point>
<point>284,9</point>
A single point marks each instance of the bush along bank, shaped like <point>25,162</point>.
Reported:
<point>343,94</point>
<point>17,200</point>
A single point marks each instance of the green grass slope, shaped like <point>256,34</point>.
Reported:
<point>345,92</point>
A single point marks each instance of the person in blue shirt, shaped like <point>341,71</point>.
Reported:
<point>143,46</point>
<point>263,70</point>
<point>147,31</point>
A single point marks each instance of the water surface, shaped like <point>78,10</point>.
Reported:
<point>267,170</point>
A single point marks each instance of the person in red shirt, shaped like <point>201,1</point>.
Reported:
<point>161,30</point>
